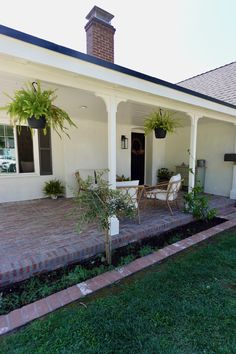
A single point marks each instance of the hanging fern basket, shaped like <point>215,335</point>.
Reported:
<point>160,133</point>
<point>39,123</point>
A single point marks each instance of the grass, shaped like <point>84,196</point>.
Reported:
<point>186,305</point>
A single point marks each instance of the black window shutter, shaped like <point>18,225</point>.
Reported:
<point>45,153</point>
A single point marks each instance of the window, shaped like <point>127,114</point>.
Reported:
<point>17,148</point>
<point>7,150</point>
<point>25,150</point>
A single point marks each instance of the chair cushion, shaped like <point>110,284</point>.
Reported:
<point>157,194</point>
<point>173,188</point>
<point>128,183</point>
<point>171,191</point>
<point>175,178</point>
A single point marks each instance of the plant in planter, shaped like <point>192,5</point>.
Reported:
<point>35,106</point>
<point>161,123</point>
<point>98,203</point>
<point>163,174</point>
<point>54,188</point>
<point>122,178</point>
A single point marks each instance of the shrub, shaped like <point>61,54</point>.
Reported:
<point>197,204</point>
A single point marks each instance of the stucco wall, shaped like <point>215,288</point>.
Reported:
<point>123,156</point>
<point>86,149</point>
<point>214,139</point>
<point>25,186</point>
<point>159,156</point>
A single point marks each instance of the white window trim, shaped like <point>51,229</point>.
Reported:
<point>17,174</point>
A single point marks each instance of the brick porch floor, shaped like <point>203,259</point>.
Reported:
<point>40,235</point>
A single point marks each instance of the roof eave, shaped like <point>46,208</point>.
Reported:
<point>27,38</point>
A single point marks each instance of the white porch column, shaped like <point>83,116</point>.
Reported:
<point>233,189</point>
<point>112,103</point>
<point>192,150</point>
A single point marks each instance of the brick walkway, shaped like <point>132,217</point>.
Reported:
<point>40,235</point>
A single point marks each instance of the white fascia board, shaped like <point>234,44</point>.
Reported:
<point>33,53</point>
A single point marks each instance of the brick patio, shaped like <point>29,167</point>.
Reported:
<point>41,235</point>
<point>22,316</point>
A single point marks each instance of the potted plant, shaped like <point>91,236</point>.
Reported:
<point>35,106</point>
<point>122,178</point>
<point>54,188</point>
<point>161,123</point>
<point>164,175</point>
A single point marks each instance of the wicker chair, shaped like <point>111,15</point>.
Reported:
<point>166,192</point>
<point>135,193</point>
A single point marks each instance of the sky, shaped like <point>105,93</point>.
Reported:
<point>168,39</point>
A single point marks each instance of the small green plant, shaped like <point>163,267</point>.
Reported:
<point>145,250</point>
<point>126,260</point>
<point>175,238</point>
<point>197,204</point>
<point>98,203</point>
<point>31,102</point>
<point>122,178</point>
<point>163,174</point>
<point>160,119</point>
<point>53,188</point>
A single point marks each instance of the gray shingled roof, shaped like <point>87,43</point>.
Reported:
<point>218,83</point>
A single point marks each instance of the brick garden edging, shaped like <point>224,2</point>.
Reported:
<point>37,309</point>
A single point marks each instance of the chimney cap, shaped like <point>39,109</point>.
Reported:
<point>100,14</point>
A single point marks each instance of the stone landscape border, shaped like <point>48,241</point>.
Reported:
<point>17,318</point>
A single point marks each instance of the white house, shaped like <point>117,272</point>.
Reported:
<point>108,102</point>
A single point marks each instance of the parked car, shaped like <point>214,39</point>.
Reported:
<point>7,164</point>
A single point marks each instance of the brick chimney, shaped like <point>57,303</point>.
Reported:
<point>100,34</point>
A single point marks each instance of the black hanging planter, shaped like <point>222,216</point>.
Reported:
<point>160,133</point>
<point>37,123</point>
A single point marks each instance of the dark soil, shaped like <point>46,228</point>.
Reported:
<point>166,238</point>
<point>159,241</point>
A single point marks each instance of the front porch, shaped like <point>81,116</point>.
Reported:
<point>40,235</point>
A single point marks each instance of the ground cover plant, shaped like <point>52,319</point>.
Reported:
<point>185,305</point>
<point>42,285</point>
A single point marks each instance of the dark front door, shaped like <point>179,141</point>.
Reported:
<point>137,156</point>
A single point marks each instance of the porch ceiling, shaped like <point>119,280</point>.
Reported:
<point>134,113</point>
<point>73,100</point>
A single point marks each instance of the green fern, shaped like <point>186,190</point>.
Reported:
<point>28,102</point>
<point>159,119</point>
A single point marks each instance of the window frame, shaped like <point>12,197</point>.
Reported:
<point>35,155</point>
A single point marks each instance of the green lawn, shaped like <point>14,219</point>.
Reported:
<point>186,305</point>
